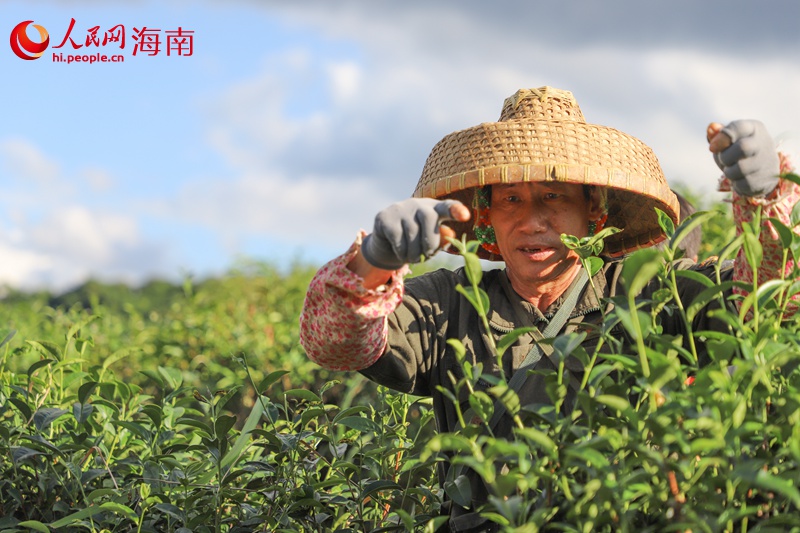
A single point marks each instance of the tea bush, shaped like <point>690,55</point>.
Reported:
<point>192,408</point>
<point>167,408</point>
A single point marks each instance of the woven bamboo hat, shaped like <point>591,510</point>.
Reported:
<point>542,136</point>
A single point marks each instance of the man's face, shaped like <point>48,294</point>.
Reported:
<point>528,220</point>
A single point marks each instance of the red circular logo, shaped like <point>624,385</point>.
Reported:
<point>22,45</point>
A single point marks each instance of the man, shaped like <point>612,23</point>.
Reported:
<point>539,172</point>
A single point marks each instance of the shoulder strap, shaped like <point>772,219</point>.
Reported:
<point>520,376</point>
<point>552,329</point>
<point>535,354</point>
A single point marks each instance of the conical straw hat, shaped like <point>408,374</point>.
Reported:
<point>542,136</point>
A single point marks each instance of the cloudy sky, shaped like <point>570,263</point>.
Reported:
<point>293,122</point>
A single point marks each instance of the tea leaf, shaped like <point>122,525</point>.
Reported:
<point>37,365</point>
<point>82,411</point>
<point>47,349</point>
<point>540,439</point>
<point>782,486</point>
<point>785,233</point>
<point>223,425</point>
<point>752,248</point>
<point>86,390</point>
<point>270,379</point>
<point>666,223</point>
<point>119,509</point>
<point>614,402</point>
<point>482,405</point>
<point>35,525</point>
<point>46,416</point>
<point>639,268</point>
<point>304,394</point>
<point>80,325</point>
<point>359,423</point>
<point>459,490</point>
<point>594,265</point>
<point>381,485</point>
<point>510,338</point>
<point>473,268</point>
<point>78,515</point>
<point>8,337</point>
<point>688,225</point>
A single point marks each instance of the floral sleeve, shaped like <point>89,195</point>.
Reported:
<point>343,326</point>
<point>777,205</point>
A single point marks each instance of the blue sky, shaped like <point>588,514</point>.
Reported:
<point>294,122</point>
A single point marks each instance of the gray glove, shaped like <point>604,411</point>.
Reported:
<point>405,232</point>
<point>751,161</point>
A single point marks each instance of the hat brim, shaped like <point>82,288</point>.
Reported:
<point>564,151</point>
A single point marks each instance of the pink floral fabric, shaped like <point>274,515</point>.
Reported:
<point>344,326</point>
<point>777,205</point>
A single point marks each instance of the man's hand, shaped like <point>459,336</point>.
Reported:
<point>408,231</point>
<point>746,154</point>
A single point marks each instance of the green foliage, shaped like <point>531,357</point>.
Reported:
<point>167,408</point>
<point>654,441</point>
<point>192,408</point>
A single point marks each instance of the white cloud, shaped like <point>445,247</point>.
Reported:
<point>98,179</point>
<point>50,239</point>
<point>25,163</point>
<point>73,244</point>
<point>293,210</point>
<point>346,79</point>
<point>319,144</point>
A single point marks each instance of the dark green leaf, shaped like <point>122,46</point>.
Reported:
<point>350,411</point>
<point>85,390</point>
<point>199,424</point>
<point>37,365</point>
<point>82,411</point>
<point>510,338</point>
<point>364,425</point>
<point>154,375</point>
<point>380,485</point>
<point>47,349</point>
<point>223,424</point>
<point>171,510</point>
<point>304,394</point>
<point>46,416</point>
<point>459,490</point>
<point>22,407</point>
<point>21,453</point>
<point>784,232</point>
<point>8,337</point>
<point>271,378</point>
<point>154,413</point>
